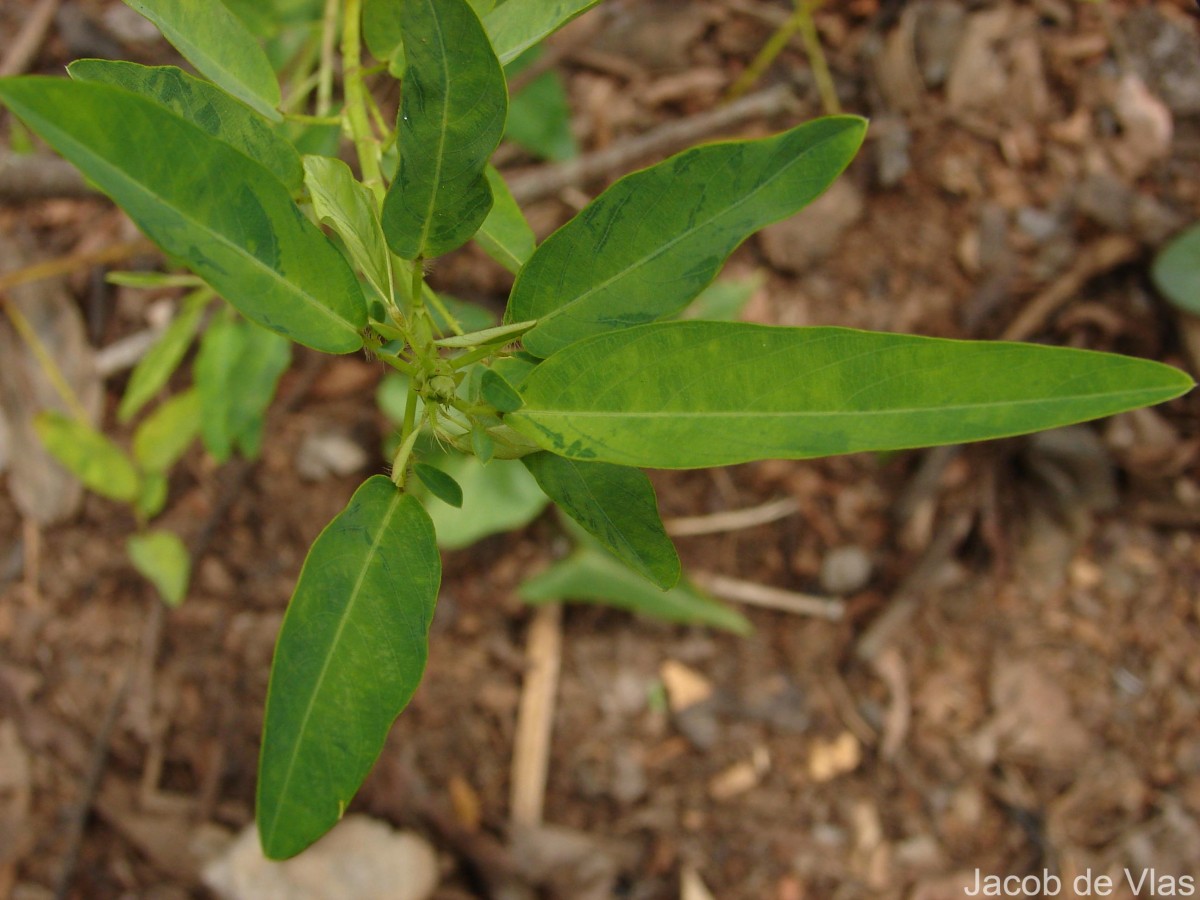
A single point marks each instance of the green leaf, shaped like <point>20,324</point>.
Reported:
<point>350,654</point>
<point>381,28</point>
<point>347,206</point>
<point>693,394</point>
<point>440,484</point>
<point>207,107</point>
<point>505,234</point>
<point>593,576</point>
<point>203,202</point>
<point>166,434</point>
<point>155,368</point>
<point>1176,270</point>
<point>153,495</point>
<point>652,241</point>
<point>162,560</point>
<point>499,334</point>
<point>236,372</point>
<point>539,117</point>
<point>724,300</point>
<point>96,461</point>
<point>497,392</point>
<point>221,48</point>
<point>614,504</point>
<point>517,25</point>
<point>497,497</point>
<point>451,120</point>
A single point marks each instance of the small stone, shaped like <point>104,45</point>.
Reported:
<point>845,570</point>
<point>829,759</point>
<point>799,242</point>
<point>685,686</point>
<point>629,775</point>
<point>328,453</point>
<point>699,726</point>
<point>939,30</point>
<point>361,858</point>
<point>892,159</point>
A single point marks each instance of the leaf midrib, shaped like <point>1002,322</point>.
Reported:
<point>534,412</point>
<point>393,505</point>
<point>290,286</point>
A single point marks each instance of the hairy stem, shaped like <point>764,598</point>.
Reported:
<point>365,144</point>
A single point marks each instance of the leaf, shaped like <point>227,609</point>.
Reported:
<point>497,392</point>
<point>96,461</point>
<point>207,107</point>
<point>692,394</point>
<point>166,434</point>
<point>1176,270</point>
<point>153,495</point>
<point>539,117</point>
<point>593,576</point>
<point>497,497</point>
<point>381,27</point>
<point>614,504</point>
<point>440,484</point>
<point>155,368</point>
<point>517,25</point>
<point>161,558</point>
<point>724,300</point>
<point>236,372</point>
<point>203,202</point>
<point>505,234</point>
<point>221,48</point>
<point>347,206</point>
<point>451,120</point>
<point>350,654</point>
<point>499,334</point>
<point>652,241</point>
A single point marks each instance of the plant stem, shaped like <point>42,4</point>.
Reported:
<point>408,437</point>
<point>816,58</point>
<point>46,361</point>
<point>325,72</point>
<point>365,144</point>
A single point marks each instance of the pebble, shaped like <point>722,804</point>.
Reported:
<point>845,570</point>
<point>799,242</point>
<point>329,452</point>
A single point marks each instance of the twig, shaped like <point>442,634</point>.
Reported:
<point>40,176</point>
<point>535,718</point>
<point>95,771</point>
<point>911,590</point>
<point>64,265</point>
<point>753,594</point>
<point>546,181</point>
<point>1103,256</point>
<point>732,520</point>
<point>25,46</point>
<point>46,361</point>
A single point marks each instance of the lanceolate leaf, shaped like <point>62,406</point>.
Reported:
<point>440,484</point>
<point>497,497</point>
<point>590,575</point>
<point>505,235</point>
<point>1176,270</point>
<point>96,461</point>
<point>614,504</point>
<point>517,25</point>
<point>346,205</point>
<point>694,394</point>
<point>153,370</point>
<point>166,434</point>
<point>350,654</point>
<point>216,42</point>
<point>163,560</point>
<point>205,106</point>
<point>652,241</point>
<point>451,119</point>
<point>203,202</point>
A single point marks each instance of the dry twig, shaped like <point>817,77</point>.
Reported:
<point>24,48</point>
<point>754,594</point>
<point>733,520</point>
<point>546,181</point>
<point>535,718</point>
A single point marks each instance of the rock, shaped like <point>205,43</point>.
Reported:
<point>684,685</point>
<point>796,244</point>
<point>629,775</point>
<point>1167,55</point>
<point>1106,200</point>
<point>329,452</point>
<point>893,138</point>
<point>829,759</point>
<point>845,570</point>
<point>939,30</point>
<point>361,858</point>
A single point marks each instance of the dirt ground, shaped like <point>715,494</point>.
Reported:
<point>1014,685</point>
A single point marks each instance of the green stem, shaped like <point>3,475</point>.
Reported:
<point>483,352</point>
<point>365,144</point>
<point>400,461</point>
<point>325,72</point>
<point>816,58</point>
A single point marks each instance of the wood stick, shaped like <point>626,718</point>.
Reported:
<point>535,718</point>
<point>25,46</point>
<point>734,519</point>
<point>754,594</point>
<point>546,181</point>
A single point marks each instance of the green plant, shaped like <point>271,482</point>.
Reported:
<point>587,378</point>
